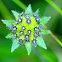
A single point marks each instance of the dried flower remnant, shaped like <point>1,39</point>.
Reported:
<point>27,29</point>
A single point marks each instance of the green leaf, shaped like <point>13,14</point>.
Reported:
<point>41,42</point>
<point>45,31</point>
<point>14,45</point>
<point>44,20</point>
<point>29,10</point>
<point>28,47</point>
<point>9,36</point>
<point>8,22</point>
<point>37,12</point>
<point>15,14</point>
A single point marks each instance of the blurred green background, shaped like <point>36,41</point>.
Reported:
<point>51,8</point>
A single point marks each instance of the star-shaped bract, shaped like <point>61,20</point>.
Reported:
<point>27,29</point>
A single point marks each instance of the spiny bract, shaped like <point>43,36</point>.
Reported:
<point>26,29</point>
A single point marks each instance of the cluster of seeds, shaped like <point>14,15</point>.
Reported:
<point>26,28</point>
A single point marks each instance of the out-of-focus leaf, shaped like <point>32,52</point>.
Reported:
<point>8,22</point>
<point>28,47</point>
<point>44,20</point>
<point>41,42</point>
<point>45,31</point>
<point>9,36</point>
<point>14,45</point>
<point>15,14</point>
<point>29,9</point>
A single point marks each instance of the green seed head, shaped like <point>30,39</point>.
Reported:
<point>26,29</point>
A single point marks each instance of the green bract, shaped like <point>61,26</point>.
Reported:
<point>27,29</point>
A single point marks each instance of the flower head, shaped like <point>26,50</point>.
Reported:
<point>26,29</point>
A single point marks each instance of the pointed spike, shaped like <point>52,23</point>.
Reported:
<point>16,14</point>
<point>29,10</point>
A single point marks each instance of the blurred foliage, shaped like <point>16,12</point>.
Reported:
<point>54,50</point>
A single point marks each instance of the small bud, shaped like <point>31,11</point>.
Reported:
<point>20,41</point>
<point>39,27</point>
<point>34,41</point>
<point>29,31</point>
<point>16,22</point>
<point>34,15</point>
<point>28,21</point>
<point>19,20</point>
<point>14,35</point>
<point>38,19</point>
<point>39,33</point>
<point>35,34</point>
<point>23,28</point>
<point>21,32</point>
<point>36,28</point>
<point>27,17</point>
<point>21,14</point>
<point>27,37</point>
<point>14,28</point>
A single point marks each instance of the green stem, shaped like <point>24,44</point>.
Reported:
<point>4,11</point>
<point>54,6</point>
<point>20,4</point>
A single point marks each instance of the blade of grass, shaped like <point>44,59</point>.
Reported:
<point>54,6</point>
<point>4,11</point>
<point>20,4</point>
